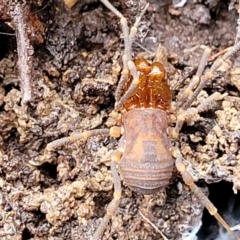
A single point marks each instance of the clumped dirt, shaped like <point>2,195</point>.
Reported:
<point>75,71</point>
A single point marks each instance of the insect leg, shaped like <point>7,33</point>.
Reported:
<point>188,179</point>
<point>209,74</point>
<point>128,65</point>
<point>125,29</point>
<point>113,205</point>
<point>133,31</point>
<point>127,49</point>
<point>193,113</point>
<point>188,92</point>
<point>66,140</point>
<point>131,88</point>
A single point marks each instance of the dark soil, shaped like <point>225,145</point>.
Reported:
<point>75,70</point>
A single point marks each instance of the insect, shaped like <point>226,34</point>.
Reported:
<point>143,97</point>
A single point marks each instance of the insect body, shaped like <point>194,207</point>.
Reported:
<point>146,164</point>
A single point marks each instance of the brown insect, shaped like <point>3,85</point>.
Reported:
<point>143,97</point>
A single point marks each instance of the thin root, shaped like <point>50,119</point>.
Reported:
<point>153,225</point>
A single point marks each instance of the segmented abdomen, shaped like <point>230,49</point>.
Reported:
<point>147,164</point>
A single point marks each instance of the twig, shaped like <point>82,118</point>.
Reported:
<point>238,25</point>
<point>19,13</point>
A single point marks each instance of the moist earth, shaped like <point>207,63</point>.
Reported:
<point>76,65</point>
